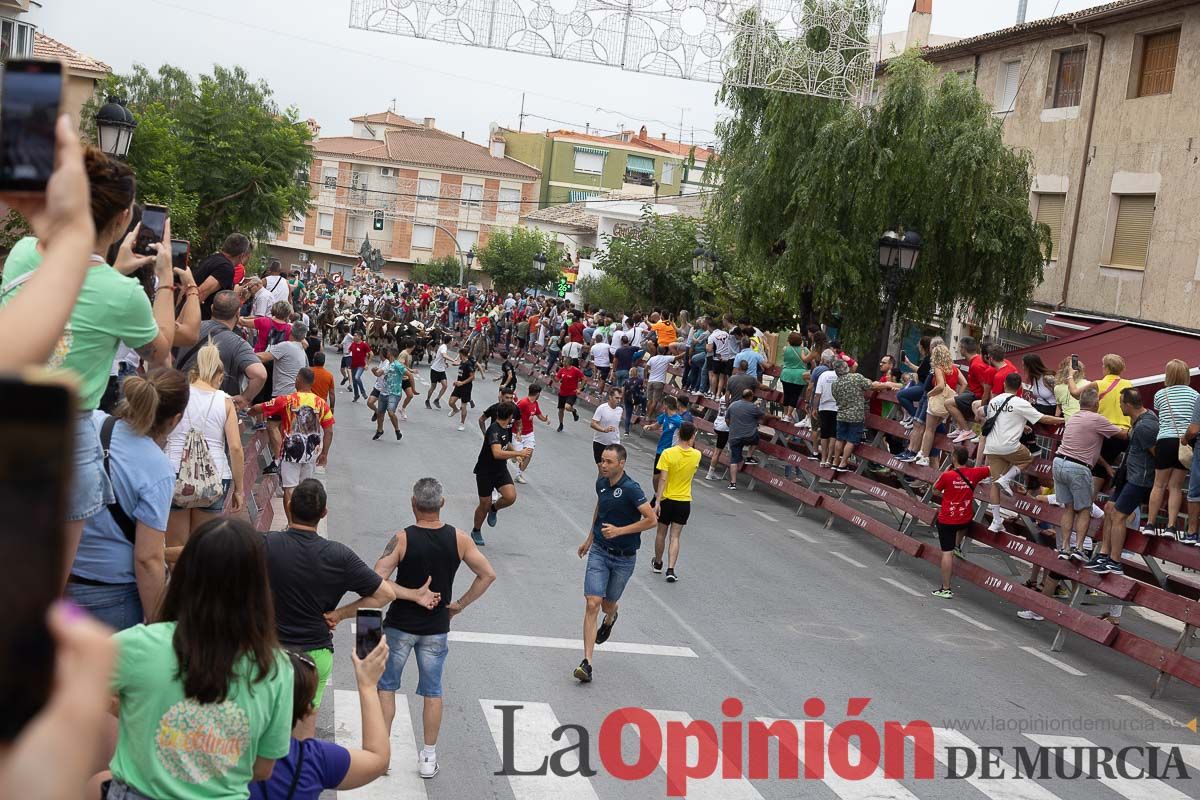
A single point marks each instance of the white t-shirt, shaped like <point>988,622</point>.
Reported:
<point>281,291</point>
<point>602,354</point>
<point>439,359</point>
<point>1005,437</point>
<point>719,339</point>
<point>381,380</point>
<point>347,340</point>
<point>606,416</point>
<point>719,424</point>
<point>261,306</point>
<point>572,350</point>
<point>825,389</point>
<point>658,368</point>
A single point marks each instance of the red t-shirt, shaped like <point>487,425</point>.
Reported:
<point>568,380</point>
<point>264,326</point>
<point>464,305</point>
<point>998,374</point>
<point>358,354</point>
<point>239,272</point>
<point>979,375</point>
<point>575,332</point>
<point>957,496</point>
<point>529,408</point>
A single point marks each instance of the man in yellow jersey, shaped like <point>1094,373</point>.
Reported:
<point>679,464</point>
<point>1110,387</point>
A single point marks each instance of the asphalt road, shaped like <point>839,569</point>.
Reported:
<point>771,609</point>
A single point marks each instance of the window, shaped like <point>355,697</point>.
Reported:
<point>358,180</point>
<point>1068,77</point>
<point>1159,53</point>
<point>331,176</point>
<point>510,201</point>
<point>428,189</point>
<point>1050,214</point>
<point>325,225</point>
<point>472,195</point>
<point>1010,79</point>
<point>669,169</point>
<point>640,164</point>
<point>1131,235</point>
<point>422,237</point>
<point>298,223</point>
<point>16,39</point>
<point>589,160</point>
<point>467,240</point>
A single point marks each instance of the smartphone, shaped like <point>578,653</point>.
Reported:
<point>154,222</point>
<point>181,249</point>
<point>1074,361</point>
<point>368,630</point>
<point>29,104</point>
<point>37,422</point>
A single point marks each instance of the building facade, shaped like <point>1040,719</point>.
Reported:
<point>414,192</point>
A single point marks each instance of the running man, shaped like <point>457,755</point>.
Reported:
<point>394,376</point>
<point>668,422</point>
<point>462,387</point>
<point>568,378</point>
<point>528,408</point>
<point>437,375</point>
<point>622,513</point>
<point>606,423</point>
<point>489,414</point>
<point>678,464</point>
<point>410,378</point>
<point>491,472</point>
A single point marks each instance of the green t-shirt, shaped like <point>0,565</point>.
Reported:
<point>111,309</point>
<point>172,746</point>
<point>794,368</point>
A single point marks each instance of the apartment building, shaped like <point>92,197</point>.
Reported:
<point>415,192</point>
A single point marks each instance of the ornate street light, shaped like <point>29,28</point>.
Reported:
<point>539,263</point>
<point>898,256</point>
<point>896,251</point>
<point>115,126</point>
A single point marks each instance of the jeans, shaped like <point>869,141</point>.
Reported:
<point>697,376</point>
<point>607,574</point>
<point>909,396</point>
<point>91,489</point>
<point>359,389</point>
<point>552,360</point>
<point>621,375</point>
<point>431,659</point>
<point>118,606</point>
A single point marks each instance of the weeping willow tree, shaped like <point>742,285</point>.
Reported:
<point>808,185</point>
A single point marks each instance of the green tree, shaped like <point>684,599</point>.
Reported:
<point>442,271</point>
<point>508,259</point>
<point>807,187</point>
<point>606,292</point>
<point>653,259</point>
<point>217,150</point>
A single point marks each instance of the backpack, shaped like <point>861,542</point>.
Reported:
<point>197,483</point>
<point>305,437</point>
<point>277,335</point>
<point>127,525</point>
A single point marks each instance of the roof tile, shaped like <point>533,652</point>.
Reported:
<point>48,48</point>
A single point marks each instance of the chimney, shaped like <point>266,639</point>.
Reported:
<point>1022,8</point>
<point>642,134</point>
<point>919,23</point>
<point>664,136</point>
<point>497,148</point>
<point>430,122</point>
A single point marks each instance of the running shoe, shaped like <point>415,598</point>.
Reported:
<point>1171,532</point>
<point>921,460</point>
<point>813,457</point>
<point>583,673</point>
<point>404,415</point>
<point>1064,555</point>
<point>460,427</point>
<point>1031,615</point>
<point>1077,555</point>
<point>732,487</point>
<point>906,456</point>
<point>945,594</point>
<point>477,537</point>
<point>1148,530</point>
<point>1097,564</point>
<point>427,765</point>
<point>657,567</point>
<point>271,469</point>
<point>751,460</point>
<point>400,435</point>
<point>671,576</point>
<point>908,422</point>
<point>374,416</point>
<point>1113,568</point>
<point>575,414</point>
<point>1005,486</point>
<point>1192,539</point>
<point>521,479</point>
<point>378,434</point>
<point>453,411</point>
<point>605,629</point>
<point>491,516</point>
<point>427,403</point>
<point>962,436</point>
<point>958,553</point>
<point>437,403</point>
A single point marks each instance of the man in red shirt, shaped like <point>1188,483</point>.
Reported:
<point>360,351</point>
<point>575,331</point>
<point>1001,367</point>
<point>527,408</point>
<point>979,384</point>
<point>957,486</point>
<point>568,378</point>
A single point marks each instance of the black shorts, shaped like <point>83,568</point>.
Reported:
<point>722,367</point>
<point>948,535</point>
<point>828,424</point>
<point>674,512</point>
<point>463,392</point>
<point>1166,453</point>
<point>485,482</point>
<point>1112,448</point>
<point>565,400</point>
<point>406,384</point>
<point>722,439</point>
<point>792,392</point>
<point>598,451</point>
<point>603,372</point>
<point>965,402</point>
<point>374,393</point>
<point>346,362</point>
<point>436,376</point>
<point>1131,497</point>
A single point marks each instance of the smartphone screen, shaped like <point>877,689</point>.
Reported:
<point>154,221</point>
<point>180,249</point>
<point>368,630</point>
<point>37,428</point>
<point>29,102</point>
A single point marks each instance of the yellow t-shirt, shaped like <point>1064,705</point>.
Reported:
<point>1110,399</point>
<point>680,466</point>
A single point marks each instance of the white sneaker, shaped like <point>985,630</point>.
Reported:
<point>921,461</point>
<point>962,436</point>
<point>428,765</point>
<point>462,427</point>
<point>1030,615</point>
<point>452,412</point>
<point>908,422</point>
<point>1005,486</point>
<point>404,415</point>
<point>1005,513</point>
<point>521,479</point>
<point>997,525</point>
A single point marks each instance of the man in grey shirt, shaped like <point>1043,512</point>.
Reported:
<point>238,358</point>
<point>1139,480</point>
<point>741,380</point>
<point>289,358</point>
<point>742,417</point>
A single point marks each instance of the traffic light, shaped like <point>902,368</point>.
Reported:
<point>379,220</point>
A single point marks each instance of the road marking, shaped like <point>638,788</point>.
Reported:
<point>848,559</point>
<point>1013,787</point>
<point>1130,788</point>
<point>1065,667</point>
<point>713,787</point>
<point>474,637</point>
<point>1190,753</point>
<point>873,787</point>
<point>901,586</point>
<point>733,499</point>
<point>1151,710</point>
<point>969,619</point>
<point>531,742</point>
<point>765,516</point>
<point>402,779</point>
<point>804,536</point>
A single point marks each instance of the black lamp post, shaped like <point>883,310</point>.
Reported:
<point>898,255</point>
<point>115,125</point>
<point>470,261</point>
<point>539,263</point>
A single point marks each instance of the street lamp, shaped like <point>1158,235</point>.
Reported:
<point>470,261</point>
<point>539,263</point>
<point>115,126</point>
<point>703,260</point>
<point>898,256</point>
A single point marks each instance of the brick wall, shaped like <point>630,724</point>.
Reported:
<point>491,196</point>
<point>443,244</point>
<point>451,191</point>
<point>402,238</point>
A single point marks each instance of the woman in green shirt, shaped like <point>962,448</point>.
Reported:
<point>204,695</point>
<point>794,374</point>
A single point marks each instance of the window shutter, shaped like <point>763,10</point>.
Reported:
<point>580,195</point>
<point>1050,213</point>
<point>1159,54</point>
<point>1012,79</point>
<point>1069,86</point>
<point>1131,239</point>
<point>640,164</point>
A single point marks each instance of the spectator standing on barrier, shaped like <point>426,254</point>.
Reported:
<point>678,464</point>
<point>1082,437</point>
<point>1110,386</point>
<point>720,349</point>
<point>1139,480</point>
<point>941,395</point>
<point>979,384</point>
<point>827,407</point>
<point>743,417</point>
<point>911,395</point>
<point>662,359</point>
<point>740,380</point>
<point>1039,384</point>
<point>849,391</point>
<point>793,375</point>
<point>1007,415</point>
<point>721,431</point>
<point>1174,404</point>
<point>215,273</point>
<point>1068,372</point>
<point>1001,368</point>
<point>1193,493</point>
<point>957,509</point>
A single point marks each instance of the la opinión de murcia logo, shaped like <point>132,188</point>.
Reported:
<point>853,750</point>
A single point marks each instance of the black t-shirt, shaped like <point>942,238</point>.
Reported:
<point>490,413</point>
<point>508,376</point>
<point>466,369</point>
<point>309,574</point>
<point>487,464</point>
<point>219,267</point>
<point>429,554</point>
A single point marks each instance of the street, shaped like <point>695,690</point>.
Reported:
<point>771,609</point>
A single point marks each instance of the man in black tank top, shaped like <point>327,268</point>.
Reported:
<point>426,553</point>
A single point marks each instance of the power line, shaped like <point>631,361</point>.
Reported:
<point>439,197</point>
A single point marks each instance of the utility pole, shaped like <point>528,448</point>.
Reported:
<point>521,117</point>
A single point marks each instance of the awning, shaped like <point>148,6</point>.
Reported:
<point>641,164</point>
<point>592,151</point>
<point>579,195</point>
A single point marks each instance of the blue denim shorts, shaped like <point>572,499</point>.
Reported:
<point>1072,484</point>
<point>850,432</point>
<point>1193,489</point>
<point>607,574</point>
<point>91,490</point>
<point>388,403</point>
<point>431,658</point>
<point>118,606</point>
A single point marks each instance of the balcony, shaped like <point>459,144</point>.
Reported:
<point>363,198</point>
<point>639,178</point>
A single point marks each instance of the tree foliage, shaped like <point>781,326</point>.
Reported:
<point>216,150</point>
<point>508,259</point>
<point>807,186</point>
<point>442,271</point>
<point>606,292</point>
<point>652,259</point>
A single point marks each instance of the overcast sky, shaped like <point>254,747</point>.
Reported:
<point>312,59</point>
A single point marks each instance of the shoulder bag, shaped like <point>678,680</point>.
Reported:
<point>989,424</point>
<point>1185,449</point>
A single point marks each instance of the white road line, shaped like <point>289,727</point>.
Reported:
<point>713,787</point>
<point>901,586</point>
<point>570,644</point>
<point>402,779</point>
<point>1190,753</point>
<point>1013,787</point>
<point>1065,667</point>
<point>874,787</point>
<point>1151,710</point>
<point>969,619</point>
<point>765,516</point>
<point>733,499</point>
<point>847,559</point>
<point>804,536</point>
<point>1130,788</point>
<point>532,743</point>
